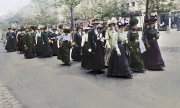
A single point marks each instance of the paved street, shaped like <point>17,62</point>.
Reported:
<point>45,83</point>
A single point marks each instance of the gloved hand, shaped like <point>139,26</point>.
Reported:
<point>118,53</point>
<point>89,50</point>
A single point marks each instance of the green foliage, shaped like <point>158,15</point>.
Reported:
<point>69,3</point>
<point>160,6</point>
<point>113,8</point>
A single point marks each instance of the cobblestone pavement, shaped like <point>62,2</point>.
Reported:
<point>6,98</point>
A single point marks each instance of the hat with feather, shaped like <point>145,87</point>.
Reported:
<point>112,21</point>
<point>151,20</point>
<point>95,20</point>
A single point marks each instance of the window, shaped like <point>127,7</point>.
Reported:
<point>133,3</point>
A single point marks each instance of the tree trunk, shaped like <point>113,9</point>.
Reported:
<point>72,19</point>
<point>146,14</point>
<point>158,14</point>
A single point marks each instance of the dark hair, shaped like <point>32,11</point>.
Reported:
<point>33,28</point>
<point>45,28</point>
<point>67,30</point>
<point>111,24</point>
<point>61,26</point>
<point>78,27</point>
<point>86,30</point>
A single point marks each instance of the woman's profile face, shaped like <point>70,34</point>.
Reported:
<point>111,26</point>
<point>122,28</point>
<point>134,27</point>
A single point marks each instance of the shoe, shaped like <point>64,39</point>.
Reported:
<point>130,76</point>
<point>99,71</point>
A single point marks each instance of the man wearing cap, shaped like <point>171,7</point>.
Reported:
<point>95,48</point>
<point>152,57</point>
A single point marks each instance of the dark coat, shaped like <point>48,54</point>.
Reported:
<point>97,55</point>
<point>29,46</point>
<point>11,42</point>
<point>53,44</point>
<point>76,51</point>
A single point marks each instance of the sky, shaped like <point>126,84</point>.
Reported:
<point>7,6</point>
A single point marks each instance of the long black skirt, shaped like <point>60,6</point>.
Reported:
<point>46,51</point>
<point>85,54</point>
<point>20,45</point>
<point>39,46</point>
<point>11,45</point>
<point>54,47</point>
<point>119,65</point>
<point>136,58</point>
<point>96,58</point>
<point>29,52</point>
<point>76,53</point>
<point>152,57</point>
<point>64,52</point>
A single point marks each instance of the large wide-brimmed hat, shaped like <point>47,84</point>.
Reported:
<point>95,20</point>
<point>33,28</point>
<point>40,27</point>
<point>13,28</point>
<point>112,21</point>
<point>86,28</point>
<point>67,29</point>
<point>121,23</point>
<point>133,21</point>
<point>28,29</point>
<point>79,27</point>
<point>60,26</point>
<point>151,20</point>
<point>22,29</point>
<point>53,27</point>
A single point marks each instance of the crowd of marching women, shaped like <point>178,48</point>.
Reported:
<point>97,47</point>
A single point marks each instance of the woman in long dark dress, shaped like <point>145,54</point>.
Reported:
<point>38,42</point>
<point>84,46</point>
<point>64,45</point>
<point>118,63</point>
<point>136,59</point>
<point>76,51</point>
<point>29,45</point>
<point>96,48</point>
<point>152,57</point>
<point>53,43</point>
<point>11,41</point>
<point>20,39</point>
<point>46,49</point>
